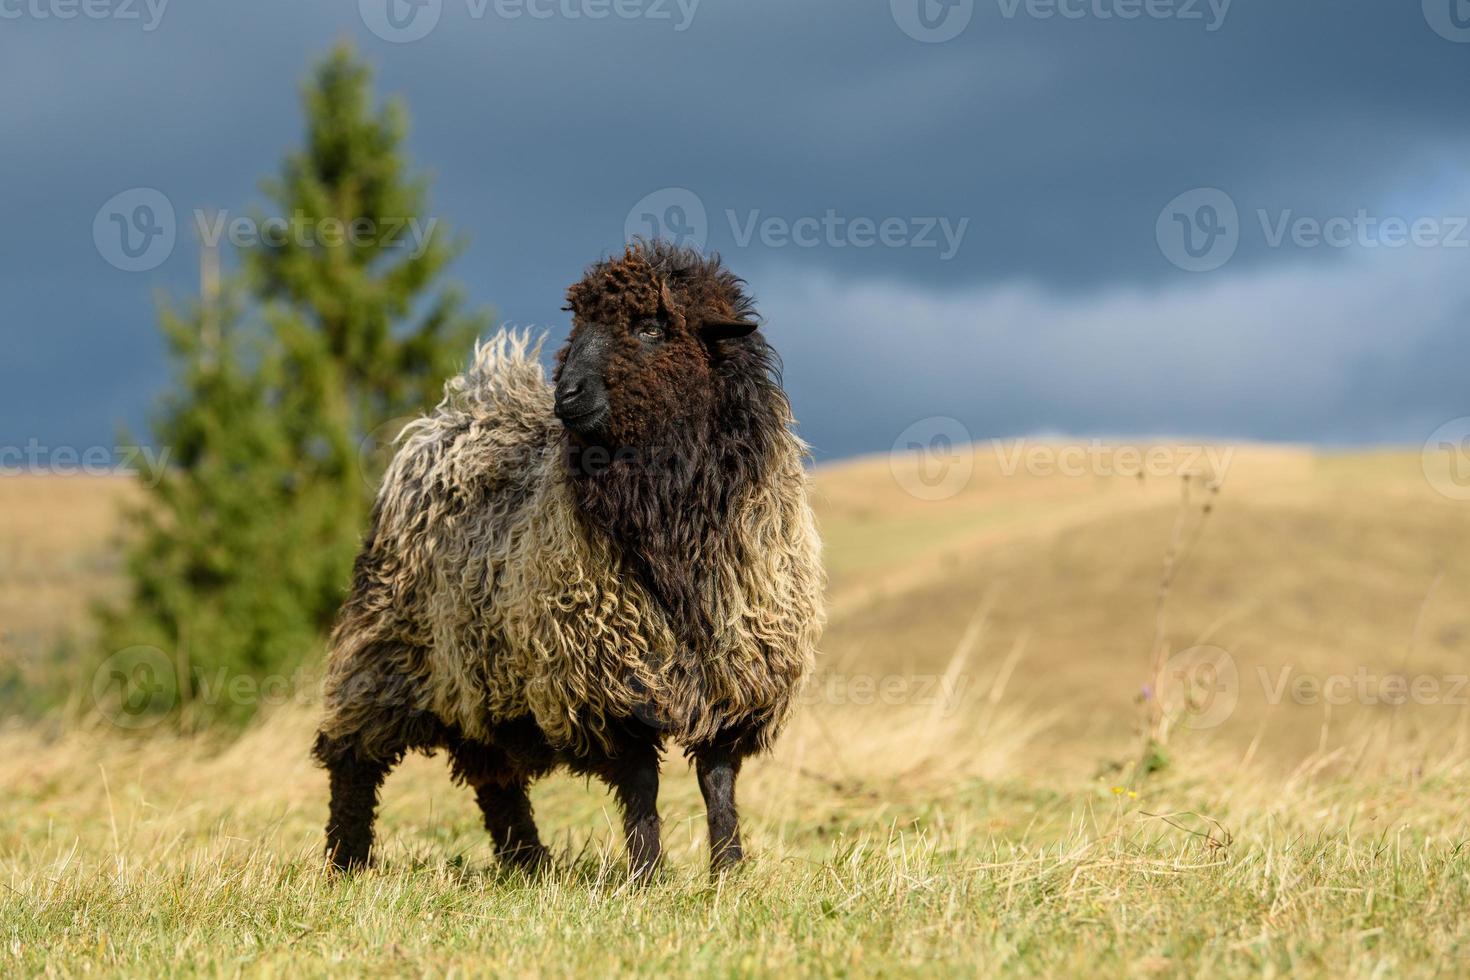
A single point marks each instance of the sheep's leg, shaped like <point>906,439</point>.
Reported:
<point>500,790</point>
<point>512,825</point>
<point>717,769</point>
<point>634,778</point>
<point>355,782</point>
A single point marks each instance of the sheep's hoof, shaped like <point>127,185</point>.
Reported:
<point>345,860</point>
<point>726,862</point>
<point>643,874</point>
<point>531,860</point>
<point>346,869</point>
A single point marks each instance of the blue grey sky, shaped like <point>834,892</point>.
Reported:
<point>1097,217</point>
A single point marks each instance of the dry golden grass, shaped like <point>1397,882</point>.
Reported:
<point>959,792</point>
<point>1317,563</point>
<point>56,548</point>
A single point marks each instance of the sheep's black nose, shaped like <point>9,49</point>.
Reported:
<point>581,403</point>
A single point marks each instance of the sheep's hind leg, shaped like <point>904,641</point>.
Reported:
<point>634,778</point>
<point>501,793</point>
<point>717,769</point>
<point>512,825</point>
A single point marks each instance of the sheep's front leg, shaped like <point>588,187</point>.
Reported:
<point>717,769</point>
<point>634,778</point>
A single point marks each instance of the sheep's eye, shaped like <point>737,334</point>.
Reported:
<point>649,330</point>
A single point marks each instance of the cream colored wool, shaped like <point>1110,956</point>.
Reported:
<point>483,597</point>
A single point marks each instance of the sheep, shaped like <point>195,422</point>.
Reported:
<point>572,576</point>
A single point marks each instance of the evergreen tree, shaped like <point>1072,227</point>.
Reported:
<point>333,328</point>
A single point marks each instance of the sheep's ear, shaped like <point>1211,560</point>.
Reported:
<point>726,329</point>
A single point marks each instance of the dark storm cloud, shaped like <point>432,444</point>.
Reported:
<point>1047,144</point>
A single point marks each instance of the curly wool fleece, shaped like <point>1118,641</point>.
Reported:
<point>482,596</point>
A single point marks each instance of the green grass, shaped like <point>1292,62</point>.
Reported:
<point>1230,874</point>
<point>175,855</point>
<point>1005,834</point>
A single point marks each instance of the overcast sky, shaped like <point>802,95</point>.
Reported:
<point>1103,217</point>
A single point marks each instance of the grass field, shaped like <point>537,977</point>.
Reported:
<point>961,791</point>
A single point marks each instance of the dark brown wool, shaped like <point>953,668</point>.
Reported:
<point>535,595</point>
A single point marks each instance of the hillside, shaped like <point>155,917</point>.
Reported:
<point>1317,564</point>
<point>959,787</point>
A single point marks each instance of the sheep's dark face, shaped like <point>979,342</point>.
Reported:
<point>640,354</point>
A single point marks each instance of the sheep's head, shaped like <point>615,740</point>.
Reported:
<point>647,330</point>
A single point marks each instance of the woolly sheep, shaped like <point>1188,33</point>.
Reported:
<point>572,576</point>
